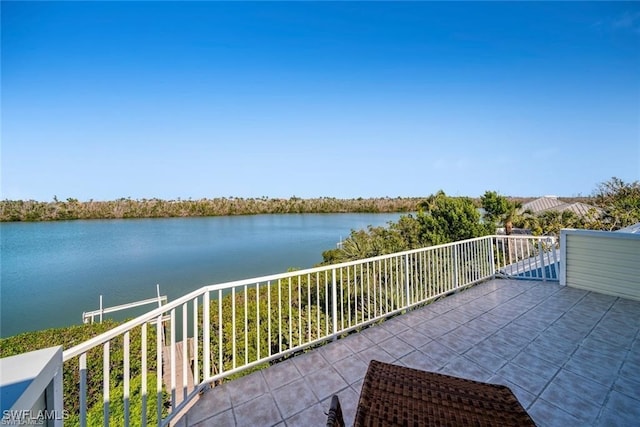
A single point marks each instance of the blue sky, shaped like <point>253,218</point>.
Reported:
<point>341,99</point>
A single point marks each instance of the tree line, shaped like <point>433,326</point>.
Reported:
<point>71,209</point>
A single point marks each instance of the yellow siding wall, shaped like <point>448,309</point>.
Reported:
<point>603,262</point>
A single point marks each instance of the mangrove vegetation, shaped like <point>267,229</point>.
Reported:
<point>71,209</point>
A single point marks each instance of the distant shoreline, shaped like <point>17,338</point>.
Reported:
<point>73,209</point>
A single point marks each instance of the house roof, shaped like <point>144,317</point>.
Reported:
<point>551,203</point>
<point>542,204</point>
<point>578,208</point>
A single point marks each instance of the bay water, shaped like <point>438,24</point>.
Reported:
<point>52,272</point>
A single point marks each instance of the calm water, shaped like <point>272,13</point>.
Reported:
<point>50,272</point>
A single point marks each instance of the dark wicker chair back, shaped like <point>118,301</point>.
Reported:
<point>334,417</point>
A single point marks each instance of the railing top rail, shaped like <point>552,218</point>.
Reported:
<point>523,236</point>
<point>288,274</point>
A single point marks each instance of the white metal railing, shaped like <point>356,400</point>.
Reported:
<point>528,257</point>
<point>233,327</point>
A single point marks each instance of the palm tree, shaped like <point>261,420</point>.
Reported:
<point>499,209</point>
<point>527,219</point>
<point>510,216</point>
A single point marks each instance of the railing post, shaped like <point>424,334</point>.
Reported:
<point>127,374</point>
<point>106,376</point>
<point>542,266</point>
<point>455,267</point>
<point>159,343</point>
<point>556,261</point>
<point>172,362</point>
<point>334,299</point>
<point>185,349</point>
<point>196,368</point>
<point>492,255</point>
<point>220,365</point>
<point>143,369</point>
<point>233,327</point>
<point>206,337</point>
<point>83,389</point>
<point>407,279</point>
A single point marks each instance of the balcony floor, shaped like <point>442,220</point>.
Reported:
<point>571,357</point>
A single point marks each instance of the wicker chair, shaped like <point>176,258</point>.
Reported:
<point>395,395</point>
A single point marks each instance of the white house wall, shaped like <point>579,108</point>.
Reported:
<point>602,261</point>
